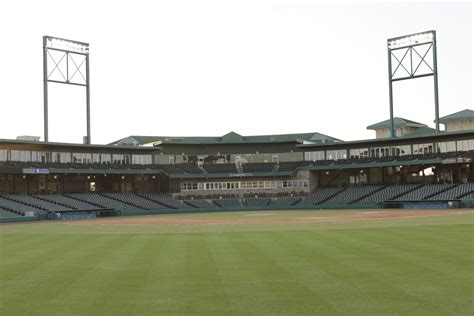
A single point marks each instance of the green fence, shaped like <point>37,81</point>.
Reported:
<point>37,217</point>
<point>12,219</point>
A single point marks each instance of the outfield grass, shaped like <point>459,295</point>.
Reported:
<point>420,266</point>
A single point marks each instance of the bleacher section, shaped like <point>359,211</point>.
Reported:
<point>258,167</point>
<point>102,201</point>
<point>291,166</point>
<point>468,197</point>
<point>7,213</point>
<point>39,203</point>
<point>190,168</point>
<point>17,207</point>
<point>351,195</point>
<point>320,196</point>
<point>286,200</point>
<point>200,203</point>
<point>220,168</point>
<point>257,201</point>
<point>18,204</point>
<point>164,199</point>
<point>133,199</point>
<point>388,193</point>
<point>170,169</point>
<point>454,193</point>
<point>228,202</point>
<point>70,202</point>
<point>424,192</point>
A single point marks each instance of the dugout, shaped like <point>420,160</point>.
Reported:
<point>75,215</point>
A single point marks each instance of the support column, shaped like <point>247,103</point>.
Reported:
<point>45,89</point>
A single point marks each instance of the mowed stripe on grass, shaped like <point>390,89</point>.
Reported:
<point>402,270</point>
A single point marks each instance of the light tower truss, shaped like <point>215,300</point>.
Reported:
<point>65,62</point>
<point>410,57</point>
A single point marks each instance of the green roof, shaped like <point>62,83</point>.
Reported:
<point>72,146</point>
<point>466,114</point>
<point>427,133</point>
<point>423,131</point>
<point>398,122</point>
<point>229,138</point>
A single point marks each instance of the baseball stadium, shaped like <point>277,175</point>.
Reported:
<point>287,224</point>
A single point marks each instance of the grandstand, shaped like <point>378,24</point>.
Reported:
<point>148,173</point>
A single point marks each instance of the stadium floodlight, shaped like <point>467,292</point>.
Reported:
<point>409,57</point>
<point>67,45</point>
<point>410,40</point>
<point>67,62</point>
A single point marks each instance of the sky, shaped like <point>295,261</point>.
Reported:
<point>205,68</point>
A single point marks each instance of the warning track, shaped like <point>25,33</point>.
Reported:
<point>360,216</point>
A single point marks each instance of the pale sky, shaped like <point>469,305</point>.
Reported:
<point>205,68</point>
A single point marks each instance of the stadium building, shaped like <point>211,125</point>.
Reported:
<point>151,174</point>
<point>406,165</point>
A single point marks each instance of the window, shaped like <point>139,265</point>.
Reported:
<point>421,149</point>
<point>96,158</point>
<point>20,155</point>
<point>359,153</point>
<point>105,158</point>
<point>245,184</point>
<point>3,155</point>
<point>118,159</point>
<point>336,154</point>
<point>314,155</point>
<point>141,159</point>
<point>401,150</point>
<point>462,145</point>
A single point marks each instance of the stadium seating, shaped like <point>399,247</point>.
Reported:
<point>468,197</point>
<point>286,200</point>
<point>424,192</point>
<point>228,202</point>
<point>259,201</point>
<point>39,203</point>
<point>7,213</point>
<point>9,204</point>
<point>102,201</point>
<point>388,193</point>
<point>190,168</point>
<point>200,203</point>
<point>164,199</point>
<point>18,204</point>
<point>171,169</point>
<point>220,168</point>
<point>68,201</point>
<point>258,167</point>
<point>291,166</point>
<point>320,196</point>
<point>454,193</point>
<point>135,200</point>
<point>353,194</point>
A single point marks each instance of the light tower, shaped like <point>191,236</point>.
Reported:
<point>70,65</point>
<point>410,54</point>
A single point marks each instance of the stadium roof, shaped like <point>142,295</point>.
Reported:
<point>229,138</point>
<point>466,114</point>
<point>398,122</point>
<point>423,131</point>
<point>423,134</point>
<point>56,145</point>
